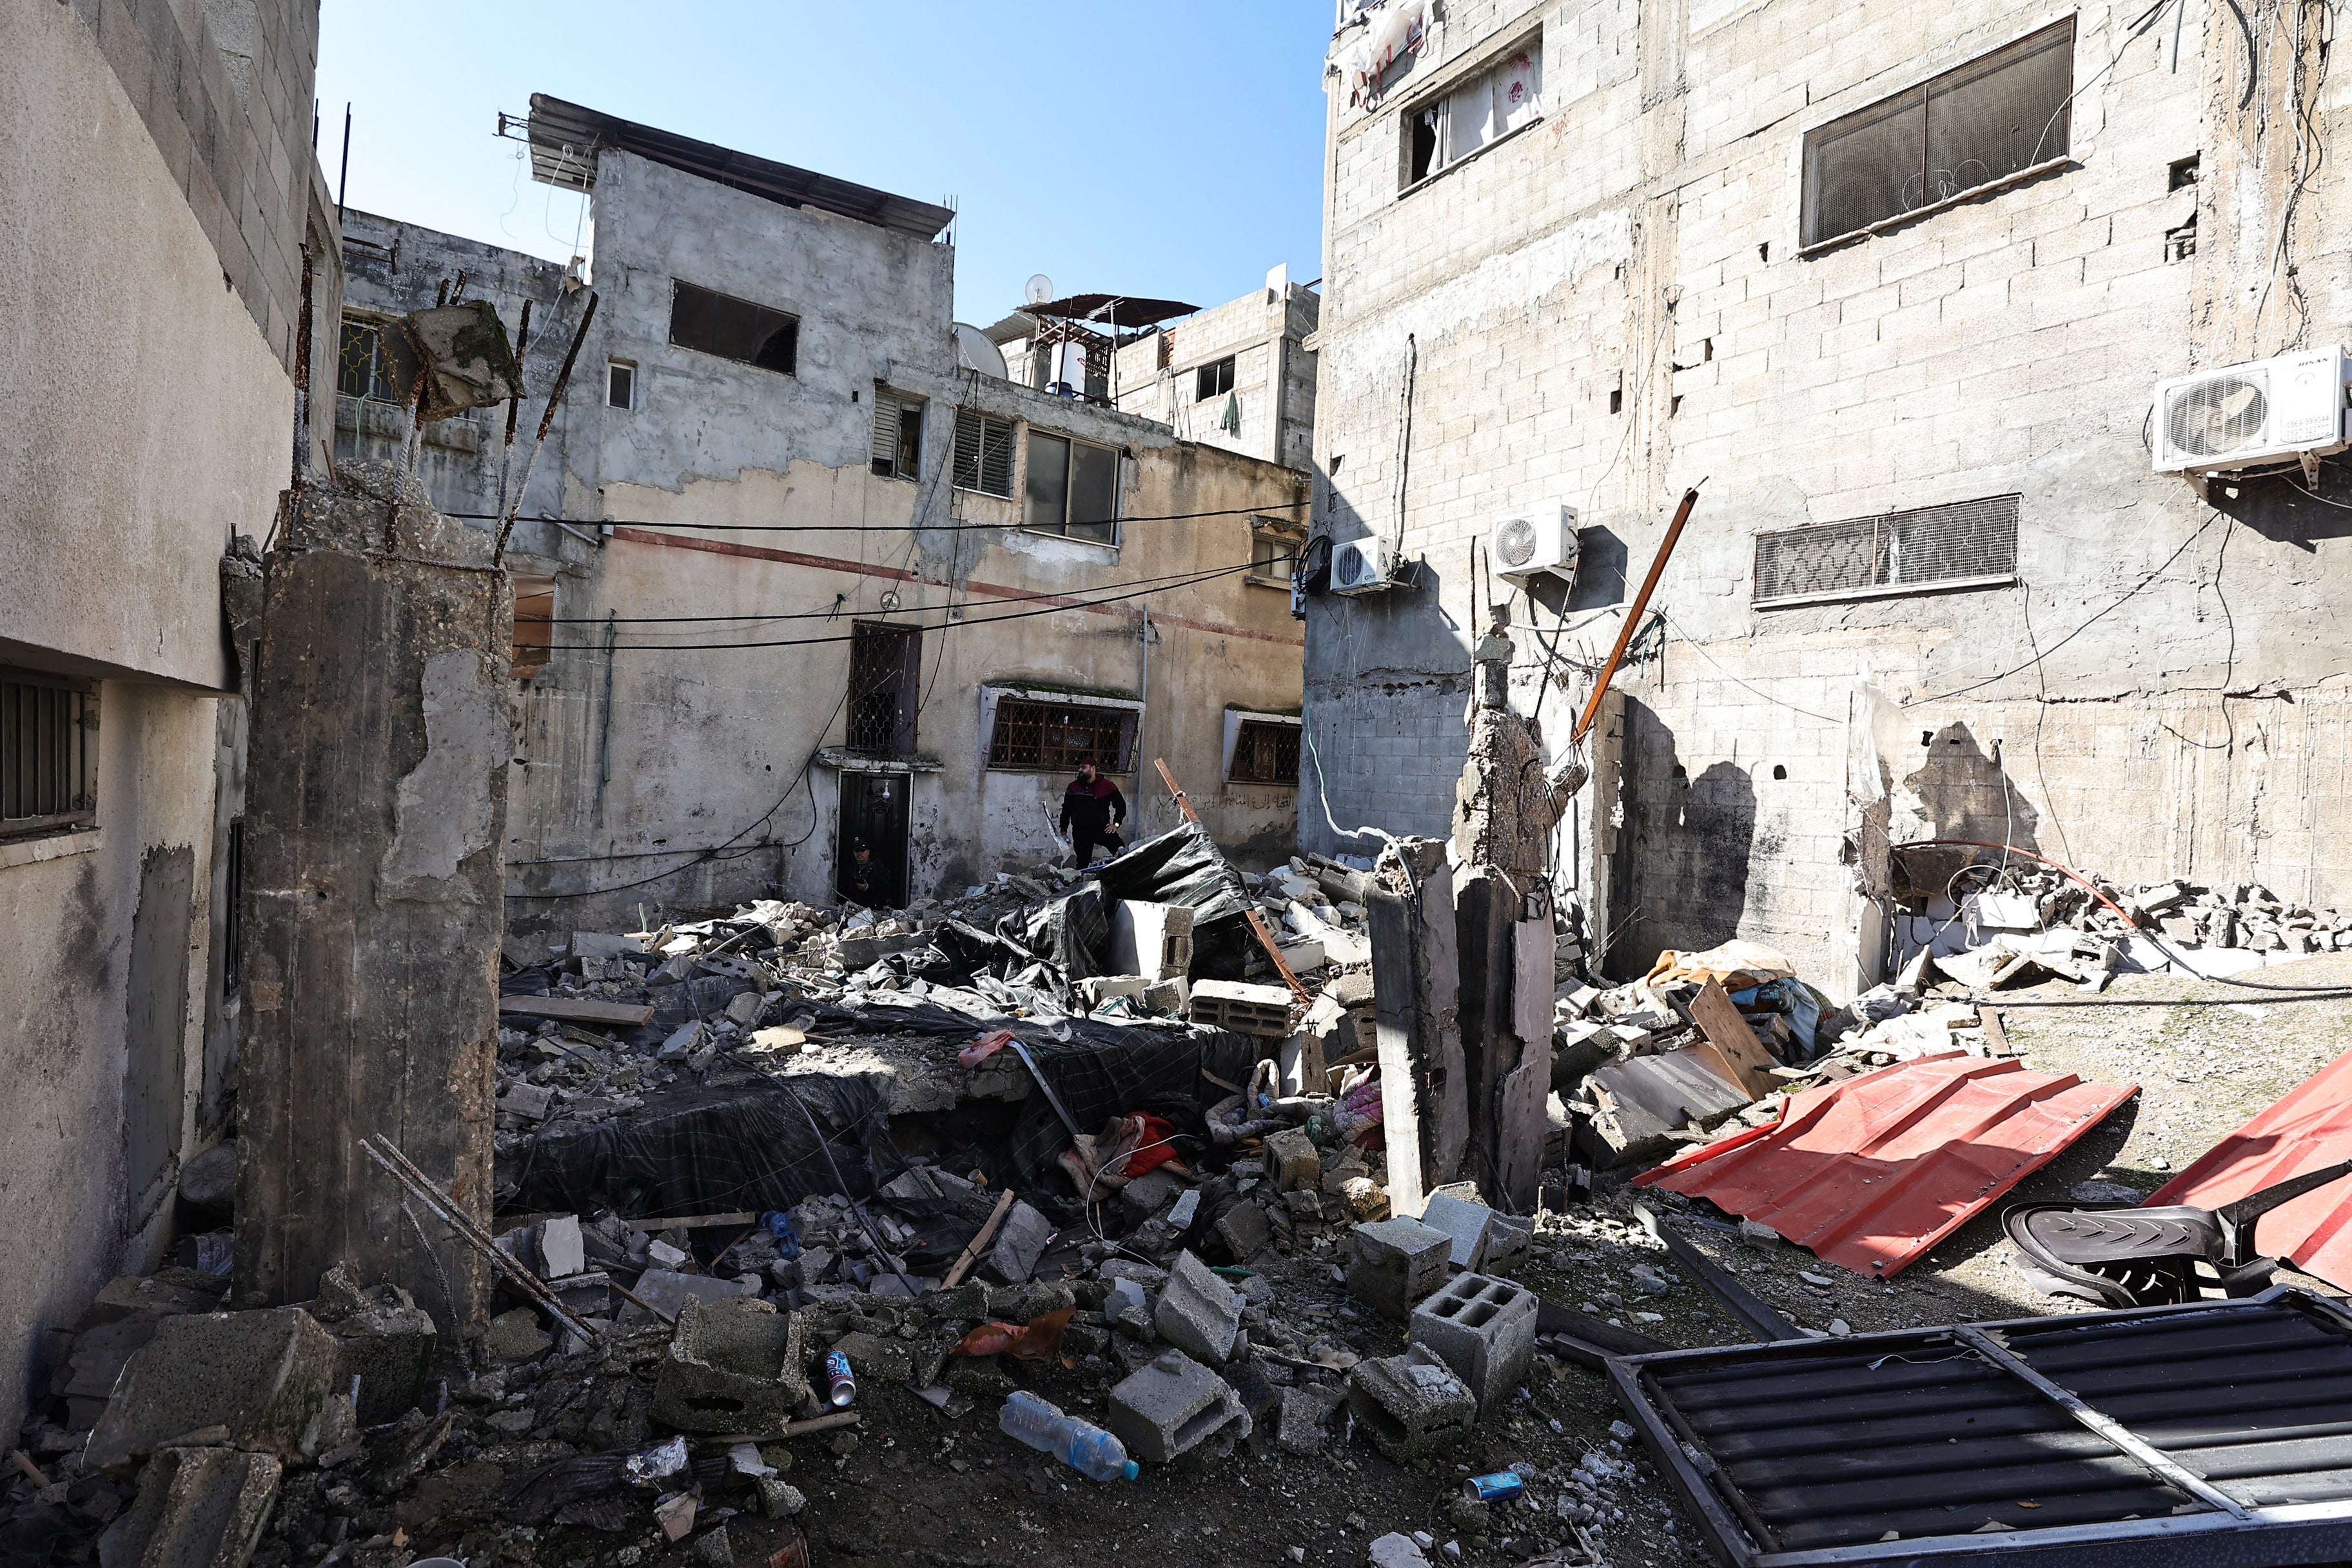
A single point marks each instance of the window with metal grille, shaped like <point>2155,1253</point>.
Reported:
<point>49,755</point>
<point>984,454</point>
<point>1931,549</point>
<point>733,328</point>
<point>897,435</point>
<point>883,695</point>
<point>361,370</point>
<point>1265,753</point>
<point>1050,737</point>
<point>1997,115</point>
<point>1072,489</point>
<point>1213,380</point>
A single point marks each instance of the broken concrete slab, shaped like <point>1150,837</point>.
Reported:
<point>1412,1405</point>
<point>382,1337</point>
<point>1466,1224</point>
<point>197,1508</point>
<point>1484,1330</point>
<point>1245,1230</point>
<point>1021,1240</point>
<point>1197,1312</point>
<point>1299,1413</point>
<point>1175,1406</point>
<point>736,1365</point>
<point>667,1292</point>
<point>263,1377</point>
<point>1394,1263</point>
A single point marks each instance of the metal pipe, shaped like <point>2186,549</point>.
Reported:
<point>343,180</point>
<point>1633,615</point>
<point>514,403</point>
<point>546,422</point>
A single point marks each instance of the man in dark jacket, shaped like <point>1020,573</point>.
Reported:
<point>1092,808</point>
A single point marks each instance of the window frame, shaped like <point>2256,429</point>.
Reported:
<point>378,379</point>
<point>1240,724</point>
<point>1438,99</point>
<point>902,464</point>
<point>2023,47</point>
<point>1121,715</point>
<point>1287,542</point>
<point>1213,379</point>
<point>1886,523</point>
<point>621,367</point>
<point>1029,477</point>
<point>981,421</point>
<point>80,813</point>
<point>678,285</point>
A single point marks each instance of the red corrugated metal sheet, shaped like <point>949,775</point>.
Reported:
<point>1873,1171</point>
<point>2310,1128</point>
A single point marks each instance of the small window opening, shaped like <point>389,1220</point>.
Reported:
<point>620,385</point>
<point>2183,173</point>
<point>715,323</point>
<point>1675,406</point>
<point>1050,737</point>
<point>1616,400</point>
<point>534,625</point>
<point>1487,108</point>
<point>884,692</point>
<point>1764,252</point>
<point>1338,459</point>
<point>1214,380</point>
<point>49,755</point>
<point>984,454</point>
<point>897,435</point>
<point>1073,488</point>
<point>1265,753</point>
<point>2181,244</point>
<point>1779,771</point>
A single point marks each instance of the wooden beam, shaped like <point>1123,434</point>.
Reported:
<point>575,1010</point>
<point>980,1239</point>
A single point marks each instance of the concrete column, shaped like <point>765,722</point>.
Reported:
<point>375,831</point>
<point>1424,1097</point>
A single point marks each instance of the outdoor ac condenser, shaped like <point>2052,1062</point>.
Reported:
<point>1541,541</point>
<point>1360,566</point>
<point>2244,414</point>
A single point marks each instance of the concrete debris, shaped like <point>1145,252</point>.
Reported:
<point>1412,1405</point>
<point>1197,1312</point>
<point>733,1365</point>
<point>1484,1330</point>
<point>1174,1406</point>
<point>197,1508</point>
<point>262,1379</point>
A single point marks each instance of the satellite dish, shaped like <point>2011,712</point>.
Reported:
<point>1041,288</point>
<point>976,352</point>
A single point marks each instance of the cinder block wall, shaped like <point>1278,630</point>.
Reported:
<point>1610,306</point>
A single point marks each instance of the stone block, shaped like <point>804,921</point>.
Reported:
<point>1169,996</point>
<point>1242,1008</point>
<point>1465,1224</point>
<point>1097,989</point>
<point>732,1366</point>
<point>1299,1415</point>
<point>1483,1328</point>
<point>1150,1193</point>
<point>1198,1312</point>
<point>667,1292</point>
<point>197,1508</point>
<point>1021,1240</point>
<point>1291,1160</point>
<point>1412,1405</point>
<point>1394,1263</point>
<point>1245,1230</point>
<point>265,1377</point>
<point>151,1297</point>
<point>597,944</point>
<point>514,1337</point>
<point>1173,1406</point>
<point>389,1349</point>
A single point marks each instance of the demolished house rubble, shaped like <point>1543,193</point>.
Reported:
<point>944,1151</point>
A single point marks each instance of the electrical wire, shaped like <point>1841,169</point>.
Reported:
<point>1701,650</point>
<point>832,611</point>
<point>943,626</point>
<point>870,527</point>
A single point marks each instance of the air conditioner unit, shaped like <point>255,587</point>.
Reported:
<point>1360,566</point>
<point>2242,415</point>
<point>1533,543</point>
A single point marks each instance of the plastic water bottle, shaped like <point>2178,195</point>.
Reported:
<point>1083,1446</point>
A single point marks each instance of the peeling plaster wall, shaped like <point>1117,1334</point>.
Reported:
<point>150,210</point>
<point>1640,241</point>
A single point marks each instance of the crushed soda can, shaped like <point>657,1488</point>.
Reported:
<point>840,1382</point>
<point>1501,1487</point>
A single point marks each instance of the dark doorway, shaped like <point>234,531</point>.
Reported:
<point>874,813</point>
<point>883,694</point>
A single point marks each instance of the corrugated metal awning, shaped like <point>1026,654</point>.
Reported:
<point>2206,1434</point>
<point>1873,1171</point>
<point>2311,1127</point>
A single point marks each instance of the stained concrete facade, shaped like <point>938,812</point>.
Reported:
<point>1263,406</point>
<point>157,191</point>
<point>670,762</point>
<point>1615,301</point>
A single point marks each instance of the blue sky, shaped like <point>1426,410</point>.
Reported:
<point>1172,149</point>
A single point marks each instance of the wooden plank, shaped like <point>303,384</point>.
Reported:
<point>575,1010</point>
<point>692,1222</point>
<point>1995,1036</point>
<point>1750,1065</point>
<point>978,1240</point>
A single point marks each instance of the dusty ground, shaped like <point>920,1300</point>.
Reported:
<point>917,1487</point>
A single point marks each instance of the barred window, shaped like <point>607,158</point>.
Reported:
<point>1265,753</point>
<point>984,454</point>
<point>364,367</point>
<point>897,435</point>
<point>1049,737</point>
<point>1966,544</point>
<point>884,692</point>
<point>49,755</point>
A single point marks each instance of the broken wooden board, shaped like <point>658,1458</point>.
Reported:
<point>575,1010</point>
<point>1747,1062</point>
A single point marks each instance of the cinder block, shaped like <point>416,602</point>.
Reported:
<point>262,1376</point>
<point>1413,1405</point>
<point>1243,1008</point>
<point>197,1508</point>
<point>1485,1328</point>
<point>1291,1160</point>
<point>1394,1263</point>
<point>732,1366</point>
<point>1197,1312</point>
<point>1464,1223</point>
<point>1175,1406</point>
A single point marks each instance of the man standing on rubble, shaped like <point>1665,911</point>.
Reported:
<point>1092,812</point>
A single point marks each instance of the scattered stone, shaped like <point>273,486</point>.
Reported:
<point>1198,1312</point>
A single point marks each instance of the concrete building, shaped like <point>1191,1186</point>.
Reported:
<point>1236,376</point>
<point>790,518</point>
<point>1898,284</point>
<point>167,225</point>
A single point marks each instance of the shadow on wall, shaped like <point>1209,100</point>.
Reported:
<point>2280,509</point>
<point>1679,878</point>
